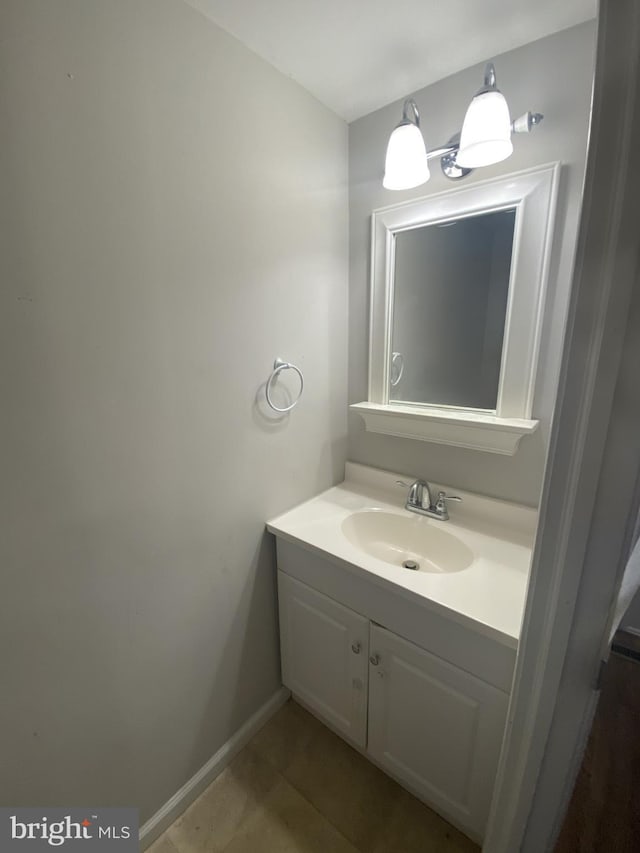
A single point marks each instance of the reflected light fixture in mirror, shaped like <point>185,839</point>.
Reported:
<point>406,163</point>
<point>485,139</point>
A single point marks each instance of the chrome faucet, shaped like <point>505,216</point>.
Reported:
<point>419,500</point>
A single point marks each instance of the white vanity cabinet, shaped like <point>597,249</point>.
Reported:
<point>413,668</point>
<point>429,723</point>
<point>324,650</point>
<point>435,727</point>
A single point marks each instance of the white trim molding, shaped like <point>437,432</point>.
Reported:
<point>460,428</point>
<point>532,194</point>
<point>183,798</point>
<point>591,493</point>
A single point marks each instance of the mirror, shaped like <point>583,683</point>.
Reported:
<point>451,283</point>
<point>457,296</point>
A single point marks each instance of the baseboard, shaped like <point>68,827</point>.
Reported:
<point>183,798</point>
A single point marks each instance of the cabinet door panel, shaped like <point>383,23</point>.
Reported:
<point>435,727</point>
<point>324,649</point>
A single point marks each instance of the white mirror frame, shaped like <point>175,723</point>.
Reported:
<point>533,195</point>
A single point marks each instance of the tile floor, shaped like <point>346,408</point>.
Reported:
<point>298,788</point>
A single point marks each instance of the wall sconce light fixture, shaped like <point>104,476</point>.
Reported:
<point>485,139</point>
<point>406,164</point>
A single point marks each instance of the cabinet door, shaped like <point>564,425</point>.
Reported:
<point>435,727</point>
<point>324,650</point>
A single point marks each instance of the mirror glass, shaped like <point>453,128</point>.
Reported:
<point>450,290</point>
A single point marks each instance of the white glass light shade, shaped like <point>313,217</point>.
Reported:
<point>406,163</point>
<point>486,132</point>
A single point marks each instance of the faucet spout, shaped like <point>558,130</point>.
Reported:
<point>419,496</point>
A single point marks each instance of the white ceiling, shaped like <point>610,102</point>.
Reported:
<point>358,55</point>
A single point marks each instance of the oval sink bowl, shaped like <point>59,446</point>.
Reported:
<point>398,539</point>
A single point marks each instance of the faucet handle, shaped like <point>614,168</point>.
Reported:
<point>441,503</point>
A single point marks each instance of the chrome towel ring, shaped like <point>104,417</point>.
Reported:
<point>278,366</point>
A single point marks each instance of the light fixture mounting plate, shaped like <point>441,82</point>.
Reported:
<point>448,163</point>
<point>451,169</point>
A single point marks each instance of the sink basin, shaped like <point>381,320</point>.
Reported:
<point>413,541</point>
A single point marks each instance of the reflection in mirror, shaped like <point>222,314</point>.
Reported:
<point>451,283</point>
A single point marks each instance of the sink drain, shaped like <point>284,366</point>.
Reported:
<point>411,564</point>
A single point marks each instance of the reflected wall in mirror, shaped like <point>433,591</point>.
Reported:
<point>458,285</point>
<point>451,283</point>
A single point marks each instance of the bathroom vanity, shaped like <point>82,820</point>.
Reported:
<point>412,666</point>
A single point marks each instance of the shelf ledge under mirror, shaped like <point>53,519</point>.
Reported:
<point>473,430</point>
<point>456,312</point>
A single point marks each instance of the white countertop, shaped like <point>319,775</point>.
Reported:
<point>490,593</point>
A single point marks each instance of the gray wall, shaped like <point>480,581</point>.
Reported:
<point>173,216</point>
<point>554,76</point>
